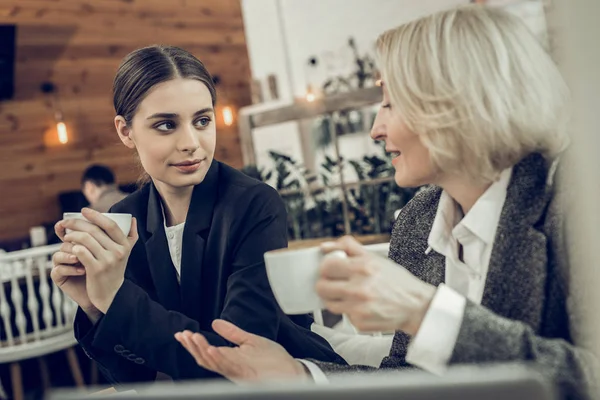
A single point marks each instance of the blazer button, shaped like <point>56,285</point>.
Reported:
<point>132,357</point>
<point>119,349</point>
<point>139,360</point>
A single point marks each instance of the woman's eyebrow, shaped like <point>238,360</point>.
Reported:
<point>163,115</point>
<point>204,111</point>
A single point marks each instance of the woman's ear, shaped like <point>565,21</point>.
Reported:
<point>124,132</point>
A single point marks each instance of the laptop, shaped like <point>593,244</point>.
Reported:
<point>500,382</point>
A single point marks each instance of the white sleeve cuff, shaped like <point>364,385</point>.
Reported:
<point>432,346</point>
<point>354,348</point>
<point>315,372</point>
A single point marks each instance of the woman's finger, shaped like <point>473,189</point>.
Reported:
<point>60,230</point>
<point>94,231</point>
<point>85,256</point>
<point>340,290</point>
<point>61,270</point>
<point>66,247</point>
<point>343,268</point>
<point>64,258</point>
<point>84,239</point>
<point>133,232</point>
<point>331,290</point>
<point>185,338</point>
<point>335,268</point>
<point>231,332</point>
<point>202,345</point>
<point>347,244</point>
<point>184,342</point>
<point>187,344</point>
<point>107,225</point>
<point>181,339</point>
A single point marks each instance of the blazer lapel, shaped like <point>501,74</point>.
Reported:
<point>159,258</point>
<point>408,248</point>
<point>411,251</point>
<point>517,269</point>
<point>197,222</point>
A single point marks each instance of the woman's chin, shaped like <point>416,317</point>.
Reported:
<point>407,181</point>
<point>184,180</point>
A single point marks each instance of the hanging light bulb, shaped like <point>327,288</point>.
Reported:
<point>227,111</point>
<point>61,128</point>
<point>310,70</point>
<point>227,115</point>
<point>63,136</point>
<point>49,90</point>
<point>310,95</point>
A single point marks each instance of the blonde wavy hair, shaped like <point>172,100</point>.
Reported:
<point>477,87</point>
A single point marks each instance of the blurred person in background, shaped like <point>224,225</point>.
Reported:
<point>477,270</point>
<point>100,189</point>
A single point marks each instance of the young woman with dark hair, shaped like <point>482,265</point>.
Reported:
<point>195,249</point>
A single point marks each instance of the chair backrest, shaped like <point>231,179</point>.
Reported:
<point>32,307</point>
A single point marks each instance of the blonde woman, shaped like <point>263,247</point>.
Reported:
<point>473,106</point>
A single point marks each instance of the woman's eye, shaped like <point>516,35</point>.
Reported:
<point>203,122</point>
<point>386,105</point>
<point>165,126</point>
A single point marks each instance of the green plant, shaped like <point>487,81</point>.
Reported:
<point>288,176</point>
<point>365,71</point>
<point>318,213</point>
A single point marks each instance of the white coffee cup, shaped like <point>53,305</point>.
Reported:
<point>122,220</point>
<point>293,275</point>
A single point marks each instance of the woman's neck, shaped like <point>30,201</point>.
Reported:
<point>175,201</point>
<point>465,193</point>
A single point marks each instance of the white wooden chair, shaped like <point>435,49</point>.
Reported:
<point>36,318</point>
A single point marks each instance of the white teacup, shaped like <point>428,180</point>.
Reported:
<point>123,220</point>
<point>293,275</point>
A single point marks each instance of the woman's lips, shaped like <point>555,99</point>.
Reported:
<point>188,167</point>
<point>396,155</point>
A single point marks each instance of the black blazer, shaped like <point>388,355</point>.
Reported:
<point>232,221</point>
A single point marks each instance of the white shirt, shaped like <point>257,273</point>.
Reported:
<point>174,236</point>
<point>432,346</point>
<point>175,239</point>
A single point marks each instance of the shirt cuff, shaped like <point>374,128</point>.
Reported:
<point>354,348</point>
<point>432,346</point>
<point>317,375</point>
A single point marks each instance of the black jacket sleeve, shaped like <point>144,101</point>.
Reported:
<point>136,336</point>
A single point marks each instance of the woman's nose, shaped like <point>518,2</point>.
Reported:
<point>378,130</point>
<point>189,141</point>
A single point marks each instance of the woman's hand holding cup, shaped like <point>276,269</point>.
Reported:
<point>375,293</point>
<point>101,246</point>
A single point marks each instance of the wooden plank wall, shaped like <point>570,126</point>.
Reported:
<point>77,45</point>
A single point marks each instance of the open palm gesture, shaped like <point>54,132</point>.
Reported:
<point>254,359</point>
